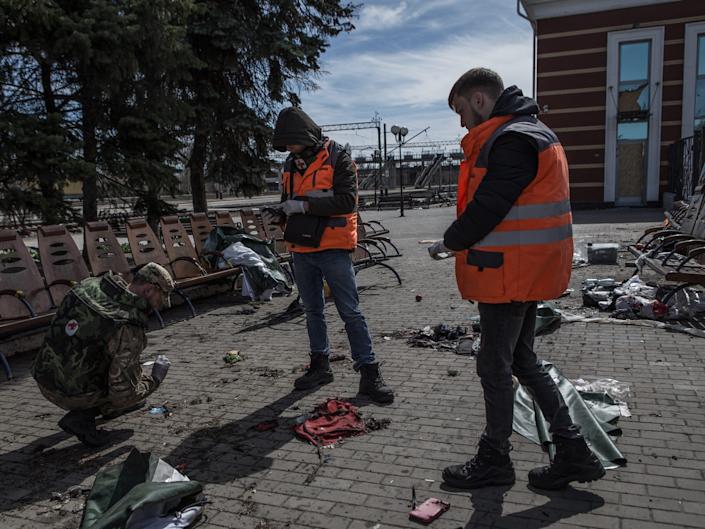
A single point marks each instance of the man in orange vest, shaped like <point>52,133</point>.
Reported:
<point>320,203</point>
<point>513,247</point>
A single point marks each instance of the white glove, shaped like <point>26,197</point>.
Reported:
<point>160,368</point>
<point>290,207</point>
<point>439,251</point>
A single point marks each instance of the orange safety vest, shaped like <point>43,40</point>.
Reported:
<point>317,182</point>
<point>529,254</point>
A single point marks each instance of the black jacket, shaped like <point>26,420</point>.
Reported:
<point>512,165</point>
<point>295,127</point>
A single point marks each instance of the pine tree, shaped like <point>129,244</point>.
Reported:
<point>107,77</point>
<point>254,56</point>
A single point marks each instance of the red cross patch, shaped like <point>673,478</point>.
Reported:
<point>71,327</point>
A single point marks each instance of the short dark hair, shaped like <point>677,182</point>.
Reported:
<point>483,79</point>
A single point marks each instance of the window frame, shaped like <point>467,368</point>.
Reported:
<point>652,176</point>
<point>690,76</point>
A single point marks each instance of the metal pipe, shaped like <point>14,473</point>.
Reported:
<point>533,52</point>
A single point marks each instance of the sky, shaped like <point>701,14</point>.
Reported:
<point>402,58</point>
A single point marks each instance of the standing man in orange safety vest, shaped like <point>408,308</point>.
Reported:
<point>319,202</point>
<point>513,247</point>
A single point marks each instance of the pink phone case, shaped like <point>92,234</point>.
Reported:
<point>429,510</point>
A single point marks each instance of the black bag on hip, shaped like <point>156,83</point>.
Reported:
<point>305,230</point>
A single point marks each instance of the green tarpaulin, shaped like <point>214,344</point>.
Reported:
<point>134,487</point>
<point>594,413</point>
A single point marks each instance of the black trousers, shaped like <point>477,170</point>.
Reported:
<point>507,347</point>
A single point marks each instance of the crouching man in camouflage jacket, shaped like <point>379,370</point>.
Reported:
<point>89,363</point>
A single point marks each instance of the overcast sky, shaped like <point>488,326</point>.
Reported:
<point>403,57</point>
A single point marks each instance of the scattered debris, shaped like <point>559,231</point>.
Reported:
<point>337,357</point>
<point>548,318</point>
<point>468,345</point>
<point>440,336</point>
<point>373,424</point>
<point>232,357</point>
<point>619,391</point>
<point>268,372</point>
<point>453,372</point>
<point>635,298</point>
<point>419,297</point>
<point>160,410</point>
<point>602,253</point>
<point>429,510</point>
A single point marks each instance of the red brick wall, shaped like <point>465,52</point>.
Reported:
<point>576,99</point>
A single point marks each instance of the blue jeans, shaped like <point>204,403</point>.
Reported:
<point>335,266</point>
<point>506,347</point>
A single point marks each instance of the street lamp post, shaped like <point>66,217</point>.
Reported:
<point>399,134</point>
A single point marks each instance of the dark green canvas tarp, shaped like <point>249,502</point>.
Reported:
<point>594,413</point>
<point>120,490</point>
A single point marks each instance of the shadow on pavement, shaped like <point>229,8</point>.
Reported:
<point>32,473</point>
<point>205,450</point>
<point>487,508</point>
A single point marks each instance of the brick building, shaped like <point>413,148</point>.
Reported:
<point>619,81</point>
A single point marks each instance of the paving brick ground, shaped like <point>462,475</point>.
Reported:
<point>272,480</point>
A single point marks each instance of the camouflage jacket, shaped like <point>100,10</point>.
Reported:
<point>91,352</point>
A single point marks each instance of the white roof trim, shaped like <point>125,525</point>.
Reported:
<point>537,9</point>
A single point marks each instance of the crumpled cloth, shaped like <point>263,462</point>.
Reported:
<point>330,422</point>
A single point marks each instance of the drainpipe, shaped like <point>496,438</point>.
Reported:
<point>533,53</point>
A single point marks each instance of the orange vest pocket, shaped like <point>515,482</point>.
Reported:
<point>480,274</point>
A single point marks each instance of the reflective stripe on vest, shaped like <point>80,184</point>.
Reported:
<point>341,230</point>
<point>538,211</point>
<point>528,255</point>
<point>526,237</point>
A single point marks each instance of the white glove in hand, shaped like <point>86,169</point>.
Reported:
<point>160,368</point>
<point>290,207</point>
<point>439,250</point>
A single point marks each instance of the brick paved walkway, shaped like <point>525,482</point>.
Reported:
<point>272,480</point>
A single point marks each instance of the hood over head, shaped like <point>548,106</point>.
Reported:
<point>295,127</point>
<point>513,102</point>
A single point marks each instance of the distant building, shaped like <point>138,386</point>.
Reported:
<point>619,81</point>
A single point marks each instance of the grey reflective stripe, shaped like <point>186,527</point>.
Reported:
<point>320,193</point>
<point>525,237</point>
<point>538,211</point>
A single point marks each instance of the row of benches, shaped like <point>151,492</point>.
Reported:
<point>28,297</point>
<point>676,249</point>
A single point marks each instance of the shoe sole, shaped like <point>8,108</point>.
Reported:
<point>565,482</point>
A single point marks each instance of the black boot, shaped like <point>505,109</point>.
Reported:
<point>81,423</point>
<point>112,413</point>
<point>372,384</point>
<point>318,373</point>
<point>574,461</point>
<point>488,468</point>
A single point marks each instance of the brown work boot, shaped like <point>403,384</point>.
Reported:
<point>81,423</point>
<point>372,384</point>
<point>317,374</point>
<point>574,461</point>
